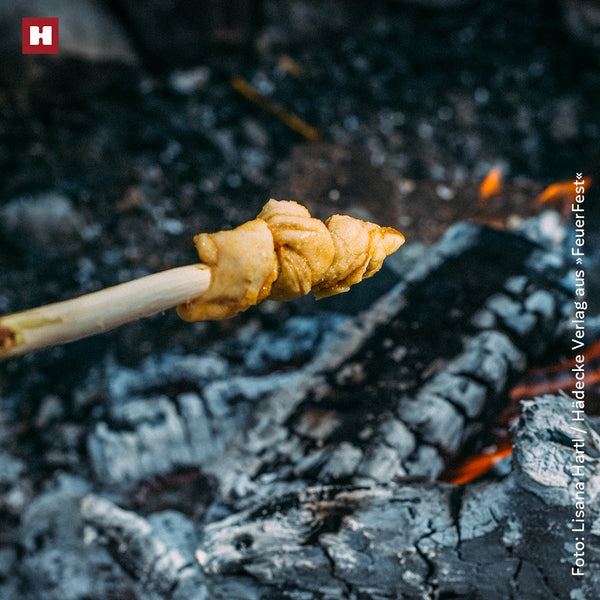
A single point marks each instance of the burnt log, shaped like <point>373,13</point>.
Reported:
<point>393,392</point>
<point>495,540</point>
<point>301,463</point>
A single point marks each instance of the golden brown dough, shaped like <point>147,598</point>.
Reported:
<point>360,248</point>
<point>283,254</point>
<point>243,267</point>
<point>303,245</point>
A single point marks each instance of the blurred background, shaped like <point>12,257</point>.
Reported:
<point>161,119</point>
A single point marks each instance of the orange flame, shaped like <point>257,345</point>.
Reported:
<point>566,381</point>
<point>475,467</point>
<point>491,185</point>
<point>556,377</point>
<point>561,192</point>
<point>590,352</point>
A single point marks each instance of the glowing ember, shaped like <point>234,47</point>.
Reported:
<point>475,467</point>
<point>491,185</point>
<point>548,386</point>
<point>536,382</point>
<point>561,193</point>
<point>556,377</point>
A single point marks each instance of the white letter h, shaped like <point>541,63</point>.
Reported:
<point>45,36</point>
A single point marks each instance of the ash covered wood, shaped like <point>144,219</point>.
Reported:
<point>226,475</point>
<point>393,393</point>
<point>313,424</point>
<point>397,540</point>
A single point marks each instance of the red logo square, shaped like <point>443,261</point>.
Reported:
<point>40,36</point>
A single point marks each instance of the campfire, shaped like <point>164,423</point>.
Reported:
<point>365,452</point>
<point>340,461</point>
<point>428,429</point>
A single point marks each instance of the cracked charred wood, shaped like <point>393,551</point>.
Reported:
<point>494,540</point>
<point>425,369</point>
<point>156,552</point>
<point>390,393</point>
<point>224,475</point>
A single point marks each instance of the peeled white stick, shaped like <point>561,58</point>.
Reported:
<point>282,254</point>
<point>100,311</point>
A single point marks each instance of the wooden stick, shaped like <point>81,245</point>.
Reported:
<point>241,267</point>
<point>100,311</point>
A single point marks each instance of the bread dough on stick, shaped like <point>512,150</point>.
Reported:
<point>243,266</point>
<point>303,245</point>
<point>283,254</point>
<point>360,248</point>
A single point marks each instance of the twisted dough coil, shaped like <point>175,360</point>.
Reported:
<point>283,254</point>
